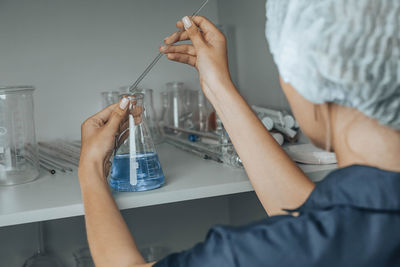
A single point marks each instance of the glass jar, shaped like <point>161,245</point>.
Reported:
<point>18,148</point>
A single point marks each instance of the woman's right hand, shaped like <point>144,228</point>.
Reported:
<point>208,52</point>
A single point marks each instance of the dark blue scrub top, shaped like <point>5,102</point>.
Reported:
<point>352,218</point>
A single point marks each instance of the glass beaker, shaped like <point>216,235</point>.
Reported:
<point>201,118</point>
<point>151,117</point>
<point>176,107</point>
<point>136,166</point>
<point>18,149</point>
<point>164,119</point>
<point>189,102</point>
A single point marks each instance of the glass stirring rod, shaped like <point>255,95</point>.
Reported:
<point>133,87</point>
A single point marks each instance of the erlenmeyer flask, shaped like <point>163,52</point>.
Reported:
<point>136,166</point>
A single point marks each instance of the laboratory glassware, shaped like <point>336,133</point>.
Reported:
<point>41,258</point>
<point>151,117</point>
<point>83,258</point>
<point>109,98</point>
<point>228,152</point>
<point>136,166</point>
<point>176,108</point>
<point>202,113</point>
<point>134,86</point>
<point>165,107</point>
<point>189,104</point>
<point>19,162</point>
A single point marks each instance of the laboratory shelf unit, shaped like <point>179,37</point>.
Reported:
<point>187,178</point>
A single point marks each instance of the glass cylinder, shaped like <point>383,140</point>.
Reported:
<point>201,118</point>
<point>176,106</point>
<point>190,103</point>
<point>18,149</point>
<point>151,117</point>
<point>136,166</point>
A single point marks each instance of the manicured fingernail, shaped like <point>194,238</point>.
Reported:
<point>163,48</point>
<point>124,103</point>
<point>186,22</point>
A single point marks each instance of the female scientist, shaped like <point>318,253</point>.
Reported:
<point>339,63</point>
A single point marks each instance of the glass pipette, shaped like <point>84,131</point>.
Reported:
<point>134,86</point>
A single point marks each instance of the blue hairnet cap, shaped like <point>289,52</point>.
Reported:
<point>340,51</point>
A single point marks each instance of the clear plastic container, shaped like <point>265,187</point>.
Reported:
<point>18,149</point>
<point>136,166</point>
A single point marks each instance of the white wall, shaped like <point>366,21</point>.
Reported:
<point>73,50</point>
<point>255,72</point>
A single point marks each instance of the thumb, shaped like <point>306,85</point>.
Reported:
<point>117,116</point>
<point>193,32</point>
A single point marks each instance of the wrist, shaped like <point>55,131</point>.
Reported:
<point>219,90</point>
<point>91,172</point>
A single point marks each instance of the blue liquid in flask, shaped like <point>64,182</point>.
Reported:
<point>149,173</point>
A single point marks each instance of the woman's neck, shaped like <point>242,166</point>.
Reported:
<point>358,139</point>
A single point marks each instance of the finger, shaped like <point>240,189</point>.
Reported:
<point>137,120</point>
<point>107,168</point>
<point>182,49</point>
<point>123,126</point>
<point>205,24</point>
<point>105,114</point>
<point>123,137</point>
<point>117,116</point>
<point>194,34</point>
<point>176,37</point>
<point>137,112</point>
<point>182,58</point>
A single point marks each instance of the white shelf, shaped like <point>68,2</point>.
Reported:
<point>187,177</point>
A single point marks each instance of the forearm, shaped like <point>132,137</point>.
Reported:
<point>110,240</point>
<point>277,180</point>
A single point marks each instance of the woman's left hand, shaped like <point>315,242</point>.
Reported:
<point>98,138</point>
